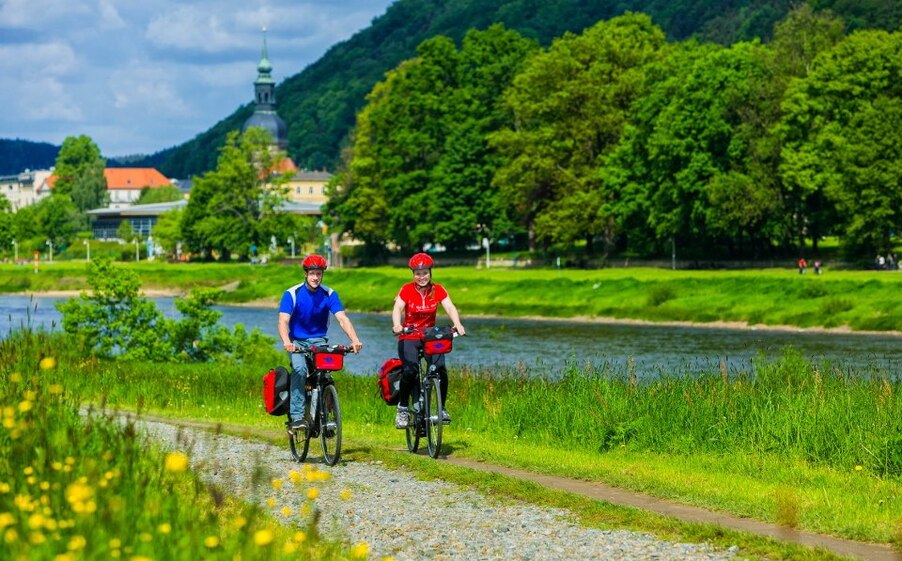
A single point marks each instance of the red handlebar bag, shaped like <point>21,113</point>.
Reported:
<point>438,341</point>
<point>275,391</point>
<point>328,361</point>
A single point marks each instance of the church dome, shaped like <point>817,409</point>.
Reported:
<point>270,121</point>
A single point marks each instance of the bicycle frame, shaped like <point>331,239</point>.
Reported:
<point>425,407</point>
<point>323,413</point>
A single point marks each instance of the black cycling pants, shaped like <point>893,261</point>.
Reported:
<point>409,352</point>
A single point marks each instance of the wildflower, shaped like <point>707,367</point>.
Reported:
<point>294,476</point>
<point>271,502</point>
<point>240,522</point>
<point>360,551</point>
<point>289,547</point>
<point>47,363</point>
<point>263,537</point>
<point>858,468</point>
<point>312,493</point>
<point>64,557</point>
<point>345,494</point>
<point>115,543</point>
<point>6,519</point>
<point>176,462</point>
<point>211,542</point>
<point>165,528</point>
<point>388,558</point>
<point>78,494</point>
<point>55,389</point>
<point>286,511</point>
<point>276,483</point>
<point>35,521</point>
<point>145,537</point>
<point>15,377</point>
<point>28,471</point>
<point>25,406</point>
<point>10,536</point>
<point>299,537</point>
<point>76,543</point>
<point>36,538</point>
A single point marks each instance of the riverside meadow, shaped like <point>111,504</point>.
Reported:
<point>783,442</point>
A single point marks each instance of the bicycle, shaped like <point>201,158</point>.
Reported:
<point>324,413</point>
<point>425,404</point>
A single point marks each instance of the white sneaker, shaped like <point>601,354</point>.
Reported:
<point>402,418</point>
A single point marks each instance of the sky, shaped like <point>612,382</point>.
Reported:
<point>141,76</point>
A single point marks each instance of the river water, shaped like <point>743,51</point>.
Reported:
<point>545,346</point>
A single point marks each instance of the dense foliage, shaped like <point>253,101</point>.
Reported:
<point>19,155</point>
<point>618,137</point>
<point>115,320</point>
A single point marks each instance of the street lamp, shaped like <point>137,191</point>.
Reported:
<point>88,245</point>
<point>291,241</point>
<point>50,245</point>
<point>137,255</point>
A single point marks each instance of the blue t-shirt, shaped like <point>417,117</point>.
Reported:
<point>309,310</point>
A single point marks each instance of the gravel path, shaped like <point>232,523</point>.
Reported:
<point>390,509</point>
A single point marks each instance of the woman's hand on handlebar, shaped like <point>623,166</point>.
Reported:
<point>460,330</point>
<point>290,347</point>
<point>356,346</point>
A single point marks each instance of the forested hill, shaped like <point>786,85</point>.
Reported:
<point>320,103</point>
<point>18,155</point>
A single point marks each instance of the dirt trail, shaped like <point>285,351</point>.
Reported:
<point>602,492</point>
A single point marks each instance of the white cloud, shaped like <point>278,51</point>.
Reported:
<point>188,27</point>
<point>37,13</point>
<point>47,99</point>
<point>146,89</point>
<point>109,16</point>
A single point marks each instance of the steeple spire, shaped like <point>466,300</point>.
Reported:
<point>265,115</point>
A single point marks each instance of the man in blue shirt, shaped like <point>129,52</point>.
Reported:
<point>304,322</point>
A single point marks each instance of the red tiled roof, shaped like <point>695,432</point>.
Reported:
<point>128,178</point>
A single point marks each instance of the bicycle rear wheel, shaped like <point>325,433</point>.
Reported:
<point>330,424</point>
<point>433,416</point>
<point>299,443</point>
<point>413,419</point>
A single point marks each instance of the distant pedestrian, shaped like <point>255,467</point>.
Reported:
<point>817,266</point>
<point>802,265</point>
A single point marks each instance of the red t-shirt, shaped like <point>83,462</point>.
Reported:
<point>419,310</point>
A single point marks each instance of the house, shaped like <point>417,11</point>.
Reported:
<point>124,185</point>
<point>22,189</point>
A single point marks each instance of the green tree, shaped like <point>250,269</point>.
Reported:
<point>79,171</point>
<point>229,204</point>
<point>126,232</point>
<point>164,194</point>
<point>7,224</point>
<point>570,106</point>
<point>839,141</point>
<point>168,230</point>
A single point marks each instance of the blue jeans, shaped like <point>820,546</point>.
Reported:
<point>297,381</point>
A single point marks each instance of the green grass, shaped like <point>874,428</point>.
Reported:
<point>859,300</point>
<point>729,443</point>
<point>87,487</point>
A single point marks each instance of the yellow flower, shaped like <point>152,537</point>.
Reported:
<point>15,377</point>
<point>239,522</point>
<point>263,537</point>
<point>294,476</point>
<point>276,483</point>
<point>145,537</point>
<point>312,493</point>
<point>289,547</point>
<point>271,502</point>
<point>28,471</point>
<point>36,538</point>
<point>10,536</point>
<point>858,468</point>
<point>25,406</point>
<point>6,519</point>
<point>4,488</point>
<point>388,558</point>
<point>55,389</point>
<point>115,543</point>
<point>35,521</point>
<point>78,492</point>
<point>286,511</point>
<point>360,551</point>
<point>299,537</point>
<point>47,363</point>
<point>345,494</point>
<point>211,542</point>
<point>139,558</point>
<point>176,462</point>
<point>165,528</point>
<point>64,557</point>
<point>76,543</point>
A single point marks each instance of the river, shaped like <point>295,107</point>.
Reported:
<point>544,346</point>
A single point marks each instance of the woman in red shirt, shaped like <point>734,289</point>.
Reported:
<point>417,303</point>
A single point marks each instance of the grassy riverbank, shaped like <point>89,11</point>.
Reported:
<point>858,300</point>
<point>75,487</point>
<point>784,442</point>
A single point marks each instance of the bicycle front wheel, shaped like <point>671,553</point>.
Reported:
<point>330,425</point>
<point>299,443</point>
<point>434,417</point>
<point>413,420</point>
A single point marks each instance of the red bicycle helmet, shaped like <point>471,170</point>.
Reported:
<point>314,262</point>
<point>421,261</point>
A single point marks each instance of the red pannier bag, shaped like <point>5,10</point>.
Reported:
<point>389,380</point>
<point>328,361</point>
<point>275,391</point>
<point>438,340</point>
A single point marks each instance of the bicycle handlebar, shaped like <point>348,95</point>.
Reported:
<point>408,330</point>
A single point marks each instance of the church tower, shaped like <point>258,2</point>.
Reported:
<point>265,115</point>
